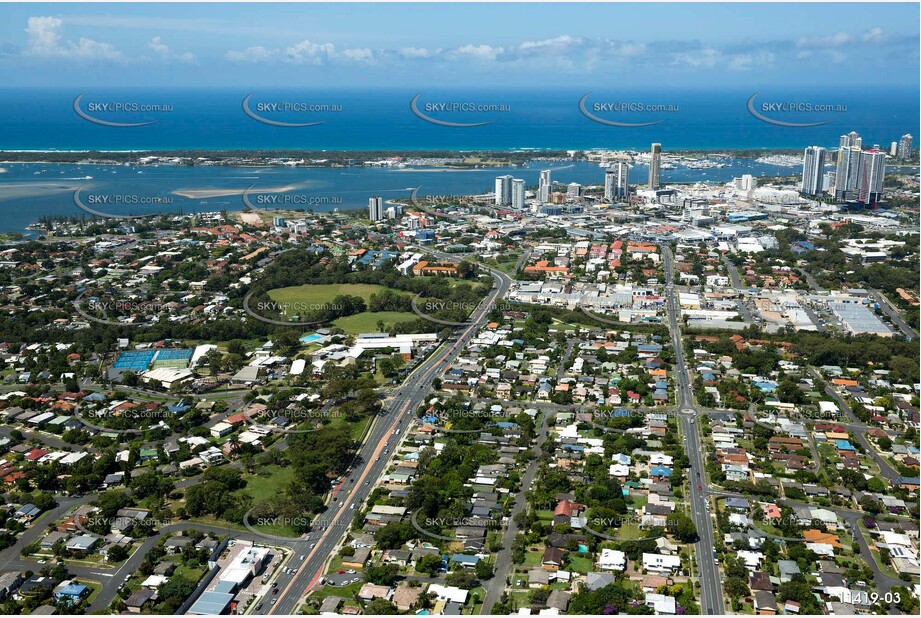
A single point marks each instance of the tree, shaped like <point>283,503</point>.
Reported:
<point>429,564</point>
<point>381,607</point>
<point>683,528</point>
<point>383,575</point>
<point>736,587</point>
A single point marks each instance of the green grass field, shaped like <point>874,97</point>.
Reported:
<point>366,322</point>
<point>317,294</point>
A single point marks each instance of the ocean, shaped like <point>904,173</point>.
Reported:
<point>45,119</point>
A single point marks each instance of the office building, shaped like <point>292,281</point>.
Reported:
<point>574,190</point>
<point>518,193</point>
<point>543,188</point>
<point>376,208</point>
<point>503,190</point>
<point>894,149</point>
<point>872,172</point>
<point>905,147</point>
<point>746,183</point>
<point>615,182</point>
<point>655,163</point>
<point>813,170</point>
<point>847,171</point>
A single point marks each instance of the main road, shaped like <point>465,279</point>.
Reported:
<point>384,435</point>
<point>711,593</point>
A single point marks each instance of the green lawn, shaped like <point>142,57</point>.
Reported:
<point>265,486</point>
<point>316,294</point>
<point>366,322</point>
<point>580,564</point>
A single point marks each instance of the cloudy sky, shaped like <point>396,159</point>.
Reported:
<point>527,45</point>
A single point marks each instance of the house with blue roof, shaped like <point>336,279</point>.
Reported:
<point>464,560</point>
<point>660,472</point>
<point>844,445</point>
<point>71,593</point>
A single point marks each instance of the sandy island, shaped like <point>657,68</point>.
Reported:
<point>201,194</point>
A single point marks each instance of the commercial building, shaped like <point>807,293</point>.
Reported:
<point>813,168</point>
<point>870,181</point>
<point>518,193</point>
<point>655,164</point>
<point>503,190</point>
<point>615,182</point>
<point>543,188</point>
<point>376,208</point>
<point>905,147</point>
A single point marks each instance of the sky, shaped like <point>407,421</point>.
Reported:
<point>534,45</point>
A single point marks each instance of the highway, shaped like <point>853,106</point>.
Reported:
<point>384,436</point>
<point>711,593</point>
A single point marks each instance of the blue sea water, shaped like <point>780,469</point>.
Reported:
<point>549,117</point>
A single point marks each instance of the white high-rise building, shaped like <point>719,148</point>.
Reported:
<point>655,163</point>
<point>872,172</point>
<point>905,147</point>
<point>503,190</point>
<point>616,185</point>
<point>746,183</point>
<point>813,170</point>
<point>847,171</point>
<point>574,189</point>
<point>518,193</point>
<point>376,208</point>
<point>543,188</point>
<point>893,149</point>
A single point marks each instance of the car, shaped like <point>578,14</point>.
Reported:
<point>274,590</point>
<point>352,506</point>
<point>340,572</point>
<point>273,601</point>
<point>367,482</point>
<point>377,458</point>
<point>312,545</point>
<point>302,557</point>
<point>352,571</point>
<point>700,488</point>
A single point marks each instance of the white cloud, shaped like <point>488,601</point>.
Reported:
<point>874,35</point>
<point>44,35</point>
<point>836,40</point>
<point>481,52</point>
<point>414,52</point>
<point>253,54</point>
<point>705,58</point>
<point>306,52</point>
<point>561,41</point>
<point>359,55</point>
<point>163,50</point>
